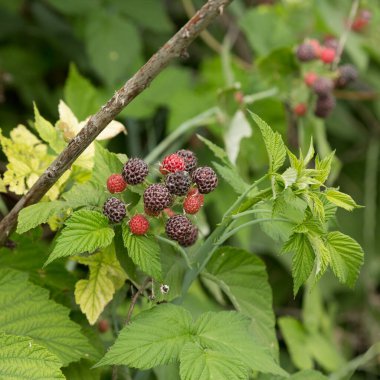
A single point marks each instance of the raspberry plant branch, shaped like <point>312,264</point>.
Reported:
<point>347,30</point>
<point>174,48</point>
<point>135,299</point>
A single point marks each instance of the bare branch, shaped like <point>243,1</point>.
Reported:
<point>174,48</point>
<point>135,298</point>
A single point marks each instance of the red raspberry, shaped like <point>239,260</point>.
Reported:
<point>310,78</point>
<point>361,20</point>
<point>327,55</point>
<point>172,163</point>
<point>316,46</point>
<point>300,109</point>
<point>139,225</point>
<point>193,203</point>
<point>116,183</point>
<point>103,326</point>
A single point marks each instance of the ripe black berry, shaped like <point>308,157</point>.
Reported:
<point>305,52</point>
<point>205,179</point>
<point>322,86</point>
<point>114,210</point>
<point>325,104</point>
<point>189,158</point>
<point>180,228</point>
<point>347,74</point>
<point>135,170</point>
<point>157,197</point>
<point>178,183</point>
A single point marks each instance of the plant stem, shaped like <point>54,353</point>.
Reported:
<point>206,117</point>
<point>249,212</point>
<point>344,36</point>
<point>249,99</point>
<point>135,298</point>
<point>174,48</point>
<point>177,247</point>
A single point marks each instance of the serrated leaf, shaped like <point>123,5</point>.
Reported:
<point>273,142</point>
<point>340,199</point>
<point>144,252</point>
<point>303,258</point>
<point>324,167</point>
<point>289,177</point>
<point>231,176</point>
<point>316,205</point>
<point>85,231</point>
<point>347,257</point>
<point>322,255</point>
<point>198,363</point>
<point>48,133</point>
<point>217,150</point>
<point>155,337</point>
<point>82,371</point>
<point>310,153</point>
<point>296,339</point>
<point>243,278</point>
<point>34,215</point>
<point>27,311</point>
<point>21,358</point>
<point>106,276</point>
<point>238,129</point>
<point>85,194</point>
<point>105,164</point>
<point>228,332</point>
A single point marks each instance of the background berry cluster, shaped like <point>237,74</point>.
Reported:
<point>320,75</point>
<point>178,194</point>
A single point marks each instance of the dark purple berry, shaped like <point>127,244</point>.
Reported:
<point>114,210</point>
<point>323,86</point>
<point>347,74</point>
<point>135,171</point>
<point>157,197</point>
<point>325,104</point>
<point>180,229</point>
<point>305,52</point>
<point>178,183</point>
<point>205,179</point>
<point>189,158</point>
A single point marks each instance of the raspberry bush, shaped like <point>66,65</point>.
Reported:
<point>215,230</point>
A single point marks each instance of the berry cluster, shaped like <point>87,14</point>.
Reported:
<point>319,78</point>
<point>182,187</point>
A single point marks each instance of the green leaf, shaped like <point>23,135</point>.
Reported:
<point>231,176</point>
<point>73,7</point>
<point>85,231</point>
<point>105,36</point>
<point>296,339</point>
<point>34,215</point>
<point>86,194</point>
<point>198,363</point>
<point>48,133</point>
<point>243,278</point>
<point>105,164</point>
<point>155,337</point>
<point>21,358</point>
<point>340,199</point>
<point>144,252</point>
<point>82,371</point>
<point>80,94</point>
<point>308,374</point>
<point>27,311</point>
<point>347,257</point>
<point>324,167</point>
<point>322,255</point>
<point>303,258</point>
<point>106,276</point>
<point>228,332</point>
<point>273,143</point>
<point>217,150</point>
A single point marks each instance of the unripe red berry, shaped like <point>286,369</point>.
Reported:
<point>116,183</point>
<point>310,78</point>
<point>172,163</point>
<point>139,225</point>
<point>103,326</point>
<point>193,203</point>
<point>316,46</point>
<point>300,109</point>
<point>361,20</point>
<point>327,55</point>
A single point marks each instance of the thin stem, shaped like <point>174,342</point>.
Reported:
<point>177,247</point>
<point>249,212</point>
<point>344,36</point>
<point>249,99</point>
<point>242,196</point>
<point>135,298</point>
<point>250,223</point>
<point>205,118</point>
